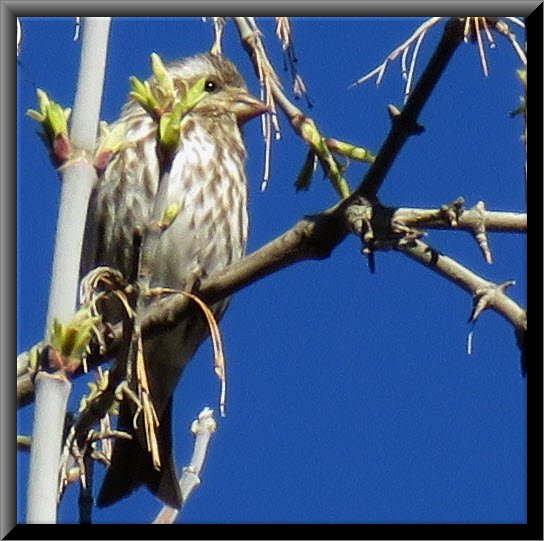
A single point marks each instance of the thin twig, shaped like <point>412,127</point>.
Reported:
<point>203,428</point>
<point>19,36</point>
<point>502,28</point>
<point>268,79</point>
<point>303,125</point>
<point>401,49</point>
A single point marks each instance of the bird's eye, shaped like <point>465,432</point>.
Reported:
<point>211,86</point>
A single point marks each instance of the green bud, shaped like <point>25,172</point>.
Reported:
<point>304,178</point>
<point>522,76</point>
<point>72,340</point>
<point>310,133</point>
<point>142,93</point>
<point>170,214</point>
<point>170,123</point>
<point>164,80</point>
<point>54,122</point>
<point>351,151</point>
<point>194,94</point>
<point>112,140</point>
<point>169,130</point>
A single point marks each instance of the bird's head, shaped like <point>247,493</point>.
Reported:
<point>226,91</point>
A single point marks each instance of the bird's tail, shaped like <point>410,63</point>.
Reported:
<point>131,464</point>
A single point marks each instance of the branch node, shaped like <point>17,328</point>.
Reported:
<point>486,297</point>
<point>403,121</point>
<point>452,212</point>
<point>358,217</point>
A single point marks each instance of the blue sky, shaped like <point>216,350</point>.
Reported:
<point>351,395</point>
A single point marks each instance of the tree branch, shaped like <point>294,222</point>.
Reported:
<point>312,238</point>
<point>469,220</point>
<point>405,123</point>
<point>467,280</point>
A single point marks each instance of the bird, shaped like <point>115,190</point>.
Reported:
<point>207,185</point>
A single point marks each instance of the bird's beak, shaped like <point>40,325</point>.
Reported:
<point>246,107</point>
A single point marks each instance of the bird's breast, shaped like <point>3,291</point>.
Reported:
<point>206,181</point>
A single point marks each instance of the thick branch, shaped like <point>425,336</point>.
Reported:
<point>312,238</point>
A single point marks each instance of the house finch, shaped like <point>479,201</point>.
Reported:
<point>207,181</point>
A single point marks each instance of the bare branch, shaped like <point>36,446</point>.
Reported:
<point>405,123</point>
<point>284,32</point>
<point>502,28</point>
<point>312,238</point>
<point>218,28</point>
<point>504,222</point>
<point>19,36</point>
<point>467,280</point>
<point>481,50</point>
<point>251,36</point>
<point>52,391</point>
<point>203,428</point>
